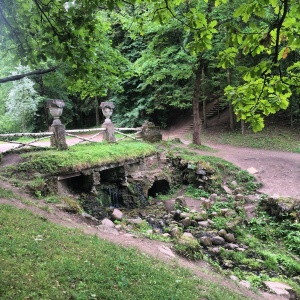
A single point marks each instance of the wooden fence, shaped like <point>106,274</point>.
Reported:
<point>76,137</point>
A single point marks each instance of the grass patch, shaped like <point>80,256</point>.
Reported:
<point>201,147</point>
<point>40,260</point>
<point>271,138</point>
<point>4,193</point>
<point>196,193</point>
<point>80,157</point>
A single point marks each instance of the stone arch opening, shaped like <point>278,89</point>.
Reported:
<point>159,187</point>
<point>75,183</point>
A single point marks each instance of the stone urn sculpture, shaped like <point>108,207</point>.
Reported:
<point>55,108</point>
<point>58,139</point>
<point>107,110</point>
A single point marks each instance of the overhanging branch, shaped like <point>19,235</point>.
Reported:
<point>21,76</point>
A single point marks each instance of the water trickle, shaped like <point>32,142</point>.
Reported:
<point>114,197</point>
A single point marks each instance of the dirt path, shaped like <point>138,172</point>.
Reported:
<point>278,171</point>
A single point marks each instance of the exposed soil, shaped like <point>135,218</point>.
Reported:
<point>278,171</point>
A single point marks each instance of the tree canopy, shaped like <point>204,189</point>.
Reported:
<point>152,50</point>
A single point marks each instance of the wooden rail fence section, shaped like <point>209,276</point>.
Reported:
<point>38,137</point>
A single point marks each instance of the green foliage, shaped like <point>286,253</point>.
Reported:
<point>256,98</point>
<point>267,84</point>
<point>267,228</point>
<point>146,230</point>
<point>37,186</point>
<point>153,57</point>
<point>189,248</point>
<point>4,193</point>
<point>53,199</point>
<point>197,193</point>
<point>247,181</point>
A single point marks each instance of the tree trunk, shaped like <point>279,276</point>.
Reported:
<point>243,127</point>
<point>204,100</point>
<point>196,113</point>
<point>97,111</point>
<point>231,113</point>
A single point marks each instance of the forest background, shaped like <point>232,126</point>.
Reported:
<point>156,60</point>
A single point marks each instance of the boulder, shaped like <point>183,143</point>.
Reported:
<point>222,232</point>
<point>201,216</point>
<point>231,246</point>
<point>207,203</point>
<point>252,170</point>
<point>239,197</point>
<point>245,284</point>
<point>137,221</point>
<point>166,250</point>
<point>180,202</point>
<point>117,215</point>
<point>205,241</point>
<point>229,237</point>
<point>108,223</point>
<point>229,213</point>
<point>169,205</point>
<point>184,215</point>
<point>204,224</point>
<point>215,250</point>
<point>217,240</point>
<point>176,232</point>
<point>281,289</point>
<point>186,222</point>
<point>88,216</point>
<point>282,207</point>
<point>213,197</point>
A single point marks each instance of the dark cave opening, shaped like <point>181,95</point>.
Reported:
<point>159,187</point>
<point>77,184</point>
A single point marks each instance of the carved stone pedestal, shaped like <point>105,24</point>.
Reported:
<point>58,140</point>
<point>109,133</point>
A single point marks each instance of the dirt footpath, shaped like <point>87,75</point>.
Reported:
<point>278,171</point>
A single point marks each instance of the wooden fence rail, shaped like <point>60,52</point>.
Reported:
<point>73,133</point>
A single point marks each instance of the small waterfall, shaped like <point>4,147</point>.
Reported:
<point>114,197</point>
